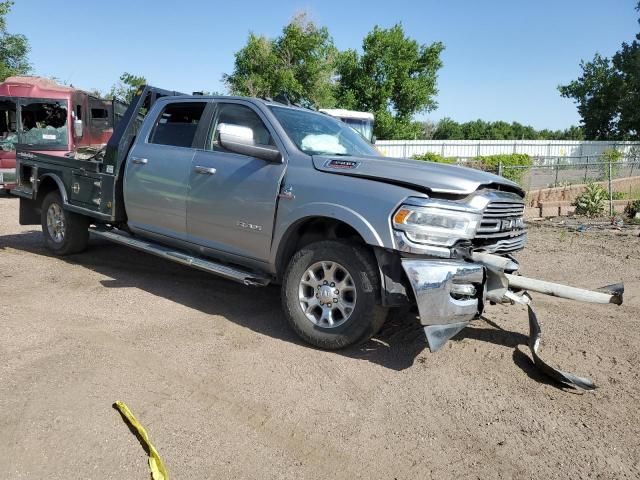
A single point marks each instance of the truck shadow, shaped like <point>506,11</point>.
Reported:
<point>499,336</point>
<point>396,346</point>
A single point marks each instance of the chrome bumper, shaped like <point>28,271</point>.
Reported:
<point>448,295</point>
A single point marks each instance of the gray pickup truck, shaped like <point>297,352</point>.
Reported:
<point>263,192</point>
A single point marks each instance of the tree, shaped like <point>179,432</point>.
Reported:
<point>394,78</point>
<point>126,88</point>
<point>597,93</point>
<point>608,94</point>
<point>448,129</point>
<point>627,63</point>
<point>96,92</point>
<point>428,129</point>
<point>572,133</point>
<point>14,48</point>
<point>298,64</point>
<point>475,130</point>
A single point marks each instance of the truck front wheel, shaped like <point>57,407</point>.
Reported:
<point>330,294</point>
<point>64,232</point>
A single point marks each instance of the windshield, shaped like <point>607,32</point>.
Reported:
<point>35,123</point>
<point>362,126</point>
<point>44,123</point>
<point>319,134</point>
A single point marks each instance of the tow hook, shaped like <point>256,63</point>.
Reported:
<point>503,287</point>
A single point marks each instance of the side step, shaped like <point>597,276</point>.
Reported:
<point>222,270</point>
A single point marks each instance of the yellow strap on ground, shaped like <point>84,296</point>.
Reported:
<point>158,472</point>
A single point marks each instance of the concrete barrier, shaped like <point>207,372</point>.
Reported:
<point>535,198</point>
<point>566,209</point>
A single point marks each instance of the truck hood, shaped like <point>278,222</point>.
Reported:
<point>418,174</point>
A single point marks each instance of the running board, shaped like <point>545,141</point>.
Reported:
<point>222,270</point>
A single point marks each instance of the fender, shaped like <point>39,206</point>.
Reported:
<point>61,189</point>
<point>65,199</point>
<point>324,210</point>
<point>30,204</point>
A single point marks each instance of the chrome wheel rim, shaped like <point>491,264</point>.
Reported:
<point>327,294</point>
<point>55,223</point>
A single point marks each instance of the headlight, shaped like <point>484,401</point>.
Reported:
<point>436,225</point>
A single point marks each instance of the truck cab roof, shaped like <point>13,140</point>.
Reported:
<point>269,102</point>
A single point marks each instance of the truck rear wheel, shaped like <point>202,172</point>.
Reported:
<point>64,232</point>
<point>330,294</point>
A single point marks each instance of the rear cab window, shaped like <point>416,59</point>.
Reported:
<point>177,124</point>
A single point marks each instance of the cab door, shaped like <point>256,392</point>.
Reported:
<point>233,197</point>
<point>158,169</point>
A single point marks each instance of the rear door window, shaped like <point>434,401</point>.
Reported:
<point>177,124</point>
<point>100,114</point>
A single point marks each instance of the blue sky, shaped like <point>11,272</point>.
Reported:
<point>503,58</point>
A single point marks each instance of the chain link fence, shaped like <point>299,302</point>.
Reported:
<point>564,179</point>
<point>556,182</point>
<point>567,171</point>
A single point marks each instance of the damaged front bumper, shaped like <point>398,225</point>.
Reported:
<point>451,293</point>
<point>448,293</point>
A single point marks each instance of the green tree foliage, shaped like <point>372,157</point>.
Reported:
<point>434,157</point>
<point>299,64</point>
<point>14,48</point>
<point>447,129</point>
<point>613,157</point>
<point>394,78</point>
<point>608,94</point>
<point>126,88</point>
<point>514,166</point>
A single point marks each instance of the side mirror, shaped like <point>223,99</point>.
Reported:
<point>373,140</point>
<point>238,139</point>
<point>77,128</point>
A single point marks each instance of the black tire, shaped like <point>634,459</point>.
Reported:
<point>74,236</point>
<point>367,315</point>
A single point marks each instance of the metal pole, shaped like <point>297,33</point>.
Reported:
<point>500,168</point>
<point>610,191</point>
<point>614,295</point>
<point>555,184</point>
<point>586,167</point>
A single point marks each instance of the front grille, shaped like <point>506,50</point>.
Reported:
<point>506,246</point>
<point>502,228</point>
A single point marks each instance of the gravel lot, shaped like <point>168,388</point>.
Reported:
<point>226,390</point>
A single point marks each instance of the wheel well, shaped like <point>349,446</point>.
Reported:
<point>47,186</point>
<point>312,230</point>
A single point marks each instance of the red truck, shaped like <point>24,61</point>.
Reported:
<point>43,116</point>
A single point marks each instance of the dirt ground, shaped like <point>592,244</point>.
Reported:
<point>226,390</point>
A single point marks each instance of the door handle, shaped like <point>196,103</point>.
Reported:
<point>139,161</point>
<point>205,170</point>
